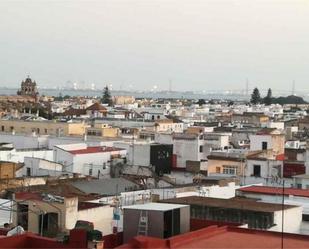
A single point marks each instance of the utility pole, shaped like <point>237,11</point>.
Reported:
<point>170,86</point>
<point>282,221</point>
<point>133,149</point>
<point>247,87</point>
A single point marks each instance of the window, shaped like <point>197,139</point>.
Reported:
<point>229,170</point>
<point>257,170</point>
<point>45,131</point>
<point>201,148</point>
<point>28,173</point>
<point>218,170</point>
<point>264,145</point>
<point>90,172</point>
<point>2,128</point>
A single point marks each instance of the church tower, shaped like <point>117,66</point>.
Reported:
<point>29,88</point>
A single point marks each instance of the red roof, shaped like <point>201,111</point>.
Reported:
<point>223,237</point>
<point>28,196</point>
<point>266,131</point>
<point>275,191</point>
<point>95,149</point>
<point>96,107</point>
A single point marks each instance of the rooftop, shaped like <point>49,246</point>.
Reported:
<point>104,187</point>
<point>222,237</point>
<point>95,149</point>
<point>155,206</point>
<point>234,203</point>
<point>275,191</point>
<point>268,131</point>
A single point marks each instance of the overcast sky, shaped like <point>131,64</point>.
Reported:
<point>198,45</point>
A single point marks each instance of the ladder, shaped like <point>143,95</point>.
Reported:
<point>143,223</point>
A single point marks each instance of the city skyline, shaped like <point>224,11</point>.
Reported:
<point>176,45</point>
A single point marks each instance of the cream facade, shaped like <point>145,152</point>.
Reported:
<point>45,127</point>
<point>61,215</point>
<point>102,130</point>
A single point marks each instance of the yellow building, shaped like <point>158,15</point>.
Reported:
<point>8,169</point>
<point>50,214</point>
<point>103,130</point>
<point>250,117</point>
<point>225,165</point>
<point>45,127</point>
<point>122,100</point>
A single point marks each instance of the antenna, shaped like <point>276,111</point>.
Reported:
<point>170,85</point>
<point>247,87</point>
<point>293,87</point>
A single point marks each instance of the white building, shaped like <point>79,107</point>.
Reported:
<point>265,168</point>
<point>193,147</point>
<point>297,197</point>
<point>40,167</point>
<point>81,159</point>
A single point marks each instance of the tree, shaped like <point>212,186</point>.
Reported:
<point>231,103</point>
<point>201,102</point>
<point>107,98</point>
<point>255,96</point>
<point>268,98</point>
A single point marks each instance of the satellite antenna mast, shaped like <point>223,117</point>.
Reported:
<point>170,85</point>
<point>247,87</point>
<point>293,87</point>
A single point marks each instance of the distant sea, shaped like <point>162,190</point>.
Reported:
<point>136,94</point>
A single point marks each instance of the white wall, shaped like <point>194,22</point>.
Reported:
<point>81,163</point>
<point>288,200</point>
<point>5,216</point>
<point>137,153</point>
<point>24,141</point>
<point>256,141</point>
<point>292,220</point>
<point>268,168</point>
<point>102,218</point>
<point>41,167</point>
<point>215,191</point>
<point>95,161</point>
<point>18,156</point>
<point>277,125</point>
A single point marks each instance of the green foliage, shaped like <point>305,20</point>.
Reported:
<point>60,97</point>
<point>231,103</point>
<point>292,99</point>
<point>107,98</point>
<point>268,98</point>
<point>201,102</point>
<point>255,96</point>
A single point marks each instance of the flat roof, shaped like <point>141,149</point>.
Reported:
<point>221,237</point>
<point>233,203</point>
<point>275,191</point>
<point>154,206</point>
<point>95,149</point>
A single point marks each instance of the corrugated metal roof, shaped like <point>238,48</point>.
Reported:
<point>105,186</point>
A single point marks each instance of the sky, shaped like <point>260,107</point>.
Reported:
<point>198,45</point>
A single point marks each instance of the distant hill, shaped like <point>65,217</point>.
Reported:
<point>291,99</point>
